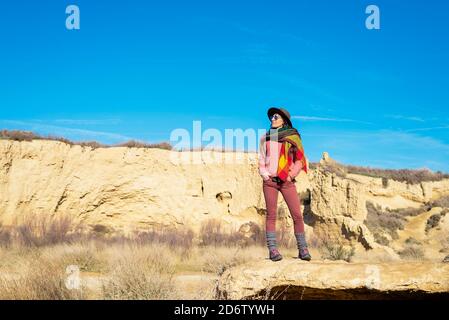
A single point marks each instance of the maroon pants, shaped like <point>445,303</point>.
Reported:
<point>288,189</point>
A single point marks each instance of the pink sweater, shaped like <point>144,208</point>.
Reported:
<point>268,160</point>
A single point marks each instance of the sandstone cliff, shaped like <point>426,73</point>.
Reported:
<point>128,188</point>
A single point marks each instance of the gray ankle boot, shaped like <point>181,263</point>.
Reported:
<point>302,247</point>
<point>271,243</point>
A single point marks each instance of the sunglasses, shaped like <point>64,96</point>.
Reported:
<point>275,117</point>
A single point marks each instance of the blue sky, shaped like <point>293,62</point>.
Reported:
<point>139,69</point>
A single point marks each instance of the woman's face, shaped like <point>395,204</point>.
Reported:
<point>276,121</point>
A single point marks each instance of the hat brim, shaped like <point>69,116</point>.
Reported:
<point>272,111</point>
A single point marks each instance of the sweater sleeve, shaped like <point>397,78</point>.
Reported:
<point>263,171</point>
<point>300,164</point>
<point>295,169</point>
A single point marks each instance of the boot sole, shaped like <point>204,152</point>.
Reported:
<point>276,259</point>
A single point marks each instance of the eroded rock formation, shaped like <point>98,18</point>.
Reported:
<point>296,279</point>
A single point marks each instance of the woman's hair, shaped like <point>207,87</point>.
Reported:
<point>293,149</point>
<point>286,125</point>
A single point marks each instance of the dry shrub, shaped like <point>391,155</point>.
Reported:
<point>433,221</point>
<point>313,165</point>
<point>41,230</point>
<point>255,235</point>
<point>335,249</point>
<point>286,236</point>
<point>411,176</point>
<point>140,275</point>
<point>180,240</point>
<point>412,241</point>
<point>391,220</point>
<point>220,259</point>
<point>410,212</point>
<point>381,239</point>
<point>379,221</point>
<point>21,135</point>
<point>314,241</point>
<point>87,256</point>
<point>5,236</point>
<point>441,202</point>
<point>100,229</point>
<point>138,144</point>
<point>18,135</point>
<point>91,144</point>
<point>43,279</point>
<point>212,234</point>
<point>174,238</point>
<point>412,252</point>
<point>444,244</point>
<point>336,168</point>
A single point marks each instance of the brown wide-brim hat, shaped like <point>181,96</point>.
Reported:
<point>283,112</point>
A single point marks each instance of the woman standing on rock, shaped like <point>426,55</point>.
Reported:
<point>281,159</point>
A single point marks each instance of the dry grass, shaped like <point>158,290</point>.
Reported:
<point>46,230</point>
<point>180,241</point>
<point>40,230</point>
<point>21,135</point>
<point>336,168</point>
<point>124,271</point>
<point>411,176</point>
<point>138,274</point>
<point>89,257</point>
<point>221,258</point>
<point>389,221</point>
<point>285,234</point>
<point>412,242</point>
<point>379,222</point>
<point>412,252</point>
<point>140,266</point>
<point>41,279</point>
<point>212,233</point>
<point>444,241</point>
<point>442,202</point>
<point>138,144</point>
<point>333,249</point>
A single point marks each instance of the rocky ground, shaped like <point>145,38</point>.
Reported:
<point>290,279</point>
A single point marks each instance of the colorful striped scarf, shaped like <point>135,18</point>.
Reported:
<point>291,149</point>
